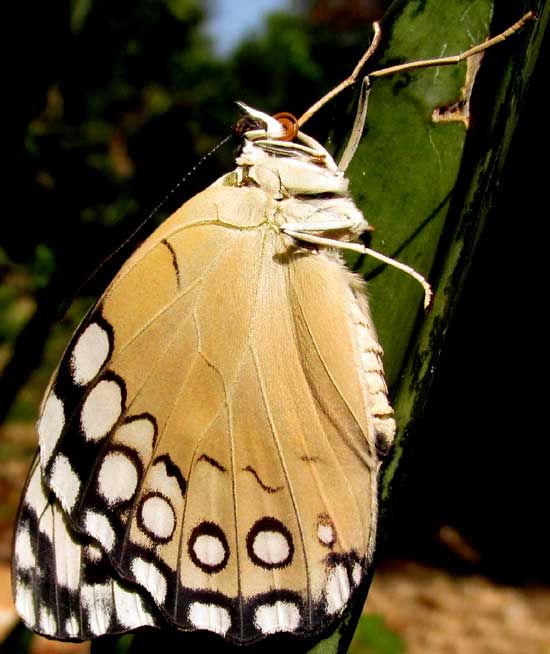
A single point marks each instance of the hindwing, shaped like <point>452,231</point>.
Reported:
<point>210,438</point>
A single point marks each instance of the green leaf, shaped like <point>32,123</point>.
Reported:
<point>44,265</point>
<point>427,187</point>
<point>373,637</point>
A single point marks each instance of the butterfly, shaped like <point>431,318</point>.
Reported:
<point>211,442</point>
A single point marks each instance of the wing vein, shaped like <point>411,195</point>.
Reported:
<point>322,409</point>
<point>227,393</point>
<point>139,256</point>
<point>197,282</point>
<point>296,304</point>
<point>287,478</point>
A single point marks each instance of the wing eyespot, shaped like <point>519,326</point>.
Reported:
<point>326,534</point>
<point>208,547</point>
<point>156,517</point>
<point>269,544</point>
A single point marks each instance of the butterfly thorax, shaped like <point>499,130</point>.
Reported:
<point>300,176</point>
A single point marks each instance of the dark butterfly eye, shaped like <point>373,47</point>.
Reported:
<point>247,124</point>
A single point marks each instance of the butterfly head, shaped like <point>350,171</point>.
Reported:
<point>256,124</point>
<point>273,153</point>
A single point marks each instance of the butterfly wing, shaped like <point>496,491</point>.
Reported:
<point>211,431</point>
<point>64,586</point>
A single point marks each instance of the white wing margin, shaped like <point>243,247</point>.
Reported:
<point>61,583</point>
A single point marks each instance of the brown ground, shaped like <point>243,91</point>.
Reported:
<point>433,611</point>
<point>438,613</point>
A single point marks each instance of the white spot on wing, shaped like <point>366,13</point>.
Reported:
<point>64,482</point>
<point>279,616</point>
<point>24,555</point>
<point>356,574</point>
<point>325,533</point>
<point>117,479</point>
<point>47,622</point>
<point>380,403</point>
<point>97,599</point>
<point>72,627</point>
<point>130,610</point>
<point>376,383</point>
<point>35,497</point>
<point>158,517</point>
<point>150,577</point>
<point>50,426</point>
<point>371,362</point>
<point>101,409</point>
<point>209,616</point>
<point>337,590</point>
<point>24,603</point>
<point>93,553</point>
<point>45,524</point>
<point>89,354</point>
<point>271,547</point>
<point>209,550</point>
<point>98,526</point>
<point>67,553</point>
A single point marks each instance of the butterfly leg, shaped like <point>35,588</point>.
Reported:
<point>340,224</point>
<point>358,126</point>
<point>362,249</point>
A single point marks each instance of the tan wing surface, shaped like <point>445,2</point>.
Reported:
<point>215,437</point>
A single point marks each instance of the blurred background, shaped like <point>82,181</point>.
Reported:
<point>106,119</point>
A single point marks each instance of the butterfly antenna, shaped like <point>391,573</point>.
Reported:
<point>455,59</point>
<point>348,81</point>
<point>159,206</point>
<point>424,63</point>
<point>144,222</point>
